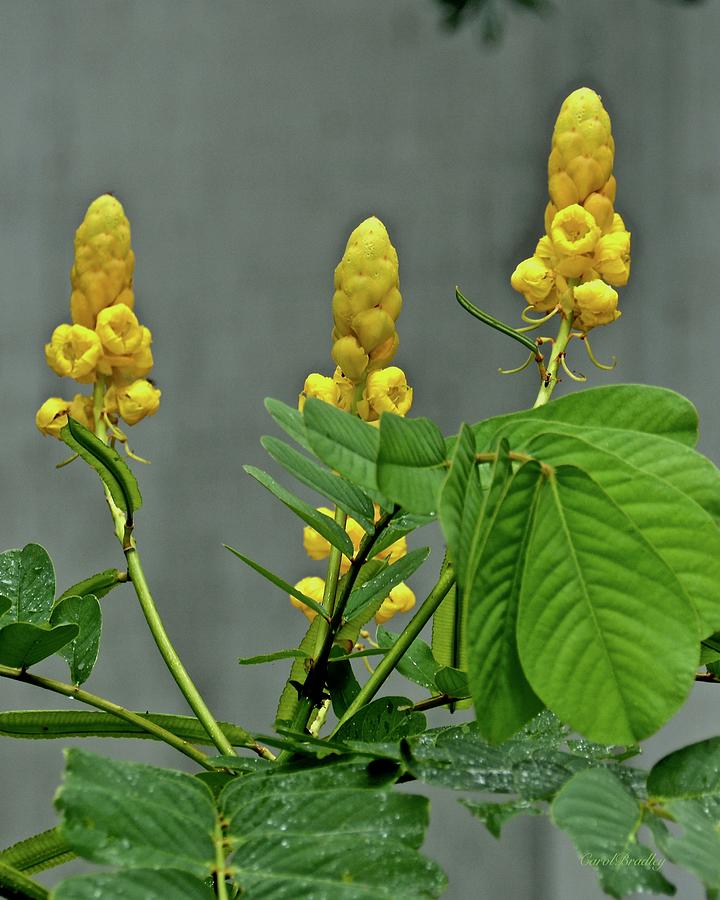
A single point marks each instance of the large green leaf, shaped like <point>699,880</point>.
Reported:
<point>503,699</point>
<point>602,819</point>
<point>343,442</point>
<point>411,463</point>
<point>342,492</point>
<point>23,644</point>
<point>323,524</point>
<point>681,532</point>
<point>597,606</point>
<point>107,462</point>
<point>137,816</point>
<point>417,663</point>
<point>138,884</point>
<point>383,719</point>
<point>693,772</point>
<point>82,652</point>
<point>327,833</point>
<point>27,580</point>
<point>627,407</point>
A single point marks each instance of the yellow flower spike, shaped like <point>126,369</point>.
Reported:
<point>373,327</point>
<point>137,400</point>
<point>583,149</point>
<point>401,599</point>
<point>319,386</point>
<point>385,391</point>
<point>81,409</point>
<point>101,275</point>
<point>312,587</point>
<point>385,353</point>
<point>345,388</point>
<point>574,232</point>
<point>351,357</point>
<point>595,304</point>
<point>535,280</point>
<point>52,416</point>
<point>601,209</point>
<point>74,351</point>
<point>612,257</point>
<point>368,271</point>
<point>119,330</point>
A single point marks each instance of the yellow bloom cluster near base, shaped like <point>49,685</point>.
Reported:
<point>585,252</point>
<point>105,339</point>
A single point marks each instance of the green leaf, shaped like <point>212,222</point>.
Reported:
<point>585,626</point>
<point>378,587</point>
<point>37,853</point>
<point>50,724</point>
<point>679,529</point>
<point>329,832</point>
<point>5,605</point>
<point>342,685</point>
<point>495,815</point>
<point>290,420</point>
<point>411,463</point>
<point>288,703</point>
<point>625,407</point>
<point>447,646</point>
<point>398,527</point>
<point>99,585</point>
<point>279,582</point>
<point>27,580</point>
<point>602,819</point>
<point>272,657</point>
<point>136,816</point>
<point>453,682</point>
<point>23,644</point>
<point>342,493</point>
<point>82,652</point>
<point>343,442</point>
<point>383,719</point>
<point>16,886</point>
<point>693,772</point>
<point>107,462</point>
<point>503,699</point>
<point>698,848</point>
<point>323,524</point>
<point>140,884</point>
<point>417,664</point>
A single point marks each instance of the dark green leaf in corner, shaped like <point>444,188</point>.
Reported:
<point>23,644</point>
<point>82,653</point>
<point>411,463</point>
<point>107,462</point>
<point>323,524</point>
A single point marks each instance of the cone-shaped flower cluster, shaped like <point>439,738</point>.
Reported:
<point>400,599</point>
<point>105,339</point>
<point>366,304</point>
<point>585,252</point>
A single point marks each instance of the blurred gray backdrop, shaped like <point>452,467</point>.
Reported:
<point>246,139</point>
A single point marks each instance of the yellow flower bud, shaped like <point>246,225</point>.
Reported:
<point>312,587</point>
<point>350,357</point>
<point>368,271</point>
<point>119,330</point>
<point>385,391</point>
<point>128,368</point>
<point>574,232</point>
<point>346,390</point>
<point>52,416</point>
<point>373,327</point>
<point>612,257</point>
<point>601,209</point>
<point>581,158</point>
<point>137,400</point>
<point>395,551</point>
<point>385,353</point>
<point>392,303</point>
<point>81,409</point>
<point>319,386</point>
<point>104,261</point>
<point>401,599</point>
<point>595,304</point>
<point>316,546</point>
<point>535,280</point>
<point>74,351</point>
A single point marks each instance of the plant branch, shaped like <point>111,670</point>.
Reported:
<point>401,645</point>
<point>550,378</point>
<point>77,693</point>
<point>19,885</point>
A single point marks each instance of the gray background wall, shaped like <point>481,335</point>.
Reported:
<point>245,140</point>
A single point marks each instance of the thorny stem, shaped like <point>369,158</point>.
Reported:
<point>398,649</point>
<point>77,693</point>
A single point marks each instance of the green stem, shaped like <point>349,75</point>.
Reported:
<point>331,582</point>
<point>99,389</point>
<point>77,693</point>
<point>172,660</point>
<point>559,347</point>
<point>398,649</point>
<point>18,886</point>
<point>220,886</point>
